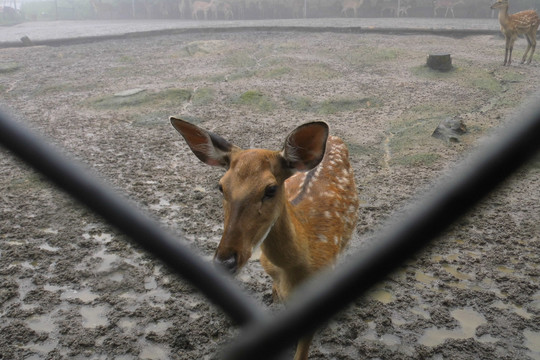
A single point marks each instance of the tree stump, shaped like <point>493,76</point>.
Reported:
<point>440,62</point>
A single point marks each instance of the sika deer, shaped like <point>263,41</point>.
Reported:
<point>448,4</point>
<point>299,204</point>
<point>353,5</point>
<point>201,6</point>
<point>524,22</point>
<point>102,10</point>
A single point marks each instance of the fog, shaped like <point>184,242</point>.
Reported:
<point>32,10</point>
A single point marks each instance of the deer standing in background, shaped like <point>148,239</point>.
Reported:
<point>201,6</point>
<point>448,4</point>
<point>524,22</point>
<point>394,8</point>
<point>353,5</point>
<point>102,10</point>
<point>299,204</point>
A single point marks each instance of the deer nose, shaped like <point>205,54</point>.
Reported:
<point>229,263</point>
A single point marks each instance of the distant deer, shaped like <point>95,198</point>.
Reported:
<point>226,9</point>
<point>353,5</point>
<point>394,9</point>
<point>524,22</point>
<point>103,10</point>
<point>203,6</point>
<point>298,204</point>
<point>445,4</point>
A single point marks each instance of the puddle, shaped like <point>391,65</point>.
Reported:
<point>84,295</point>
<point>390,340</point>
<point>452,270</point>
<point>150,283</point>
<point>25,286</point>
<point>159,328</point>
<point>116,276</point>
<point>532,341</point>
<point>370,333</point>
<point>505,269</point>
<point>50,231</point>
<point>468,320</point>
<point>516,309</point>
<point>94,316</point>
<point>103,238</point>
<point>154,352</point>
<point>536,301</point>
<point>41,348</point>
<point>163,204</point>
<point>423,277</point>
<point>126,324</point>
<point>41,323</point>
<point>421,312</point>
<point>383,296</point>
<point>107,261</point>
<point>48,247</point>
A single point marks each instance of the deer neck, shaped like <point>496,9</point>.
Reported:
<point>286,245</point>
<point>503,16</point>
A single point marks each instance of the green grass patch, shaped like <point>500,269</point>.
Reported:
<point>425,72</point>
<point>240,59</point>
<point>30,181</point>
<point>417,160</point>
<point>255,99</point>
<point>329,106</point>
<point>469,76</point>
<point>367,56</point>
<point>203,96</point>
<point>168,97</point>
<point>276,72</point>
<point>318,72</point>
<point>356,150</point>
<point>410,140</point>
<point>10,67</point>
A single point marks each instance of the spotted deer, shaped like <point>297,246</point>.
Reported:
<point>353,5</point>
<point>449,5</point>
<point>102,10</point>
<point>203,6</point>
<point>299,204</point>
<point>523,22</point>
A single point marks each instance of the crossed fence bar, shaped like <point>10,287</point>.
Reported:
<point>319,299</point>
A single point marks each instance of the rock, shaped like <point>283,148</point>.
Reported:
<point>26,41</point>
<point>450,129</point>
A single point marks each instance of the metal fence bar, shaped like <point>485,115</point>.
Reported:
<point>85,187</point>
<point>324,296</point>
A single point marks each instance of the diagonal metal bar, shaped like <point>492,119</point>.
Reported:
<point>320,299</point>
<point>88,189</point>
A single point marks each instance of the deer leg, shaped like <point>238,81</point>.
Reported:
<point>508,51</point>
<point>529,45</point>
<point>510,55</point>
<point>302,348</point>
<point>533,47</point>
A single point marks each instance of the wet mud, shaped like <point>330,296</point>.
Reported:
<point>74,288</point>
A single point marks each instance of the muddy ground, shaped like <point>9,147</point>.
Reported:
<point>73,287</point>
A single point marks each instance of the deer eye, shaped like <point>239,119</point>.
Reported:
<point>270,192</point>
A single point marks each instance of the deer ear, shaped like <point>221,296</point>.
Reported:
<point>305,146</point>
<point>210,148</point>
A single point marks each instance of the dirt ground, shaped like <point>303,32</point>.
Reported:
<point>73,287</point>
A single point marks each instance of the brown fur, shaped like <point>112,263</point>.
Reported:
<point>524,22</point>
<point>307,221</point>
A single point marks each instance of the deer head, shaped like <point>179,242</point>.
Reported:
<point>253,188</point>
